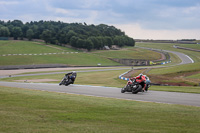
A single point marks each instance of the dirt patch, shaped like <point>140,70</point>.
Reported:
<point>134,73</point>
<point>129,74</point>
<point>37,80</point>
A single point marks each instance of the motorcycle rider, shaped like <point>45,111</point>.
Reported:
<point>143,80</point>
<point>69,78</point>
<point>148,83</point>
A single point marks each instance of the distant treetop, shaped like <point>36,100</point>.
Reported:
<point>75,34</point>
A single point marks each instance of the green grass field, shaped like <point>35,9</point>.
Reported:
<point>80,59</point>
<point>26,47</point>
<point>37,111</point>
<point>76,59</point>
<point>29,47</point>
<point>23,110</point>
<point>130,53</point>
<point>193,46</point>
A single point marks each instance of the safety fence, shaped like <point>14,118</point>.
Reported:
<point>123,78</point>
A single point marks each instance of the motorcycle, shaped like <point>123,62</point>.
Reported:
<point>67,80</point>
<point>135,86</point>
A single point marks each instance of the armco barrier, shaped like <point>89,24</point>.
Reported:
<point>123,78</point>
<point>165,62</point>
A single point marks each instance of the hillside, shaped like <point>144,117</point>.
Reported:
<point>33,53</point>
<point>28,47</point>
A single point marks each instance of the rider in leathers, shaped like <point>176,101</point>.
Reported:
<point>70,78</point>
<point>143,80</point>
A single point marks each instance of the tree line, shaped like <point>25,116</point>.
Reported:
<point>75,34</point>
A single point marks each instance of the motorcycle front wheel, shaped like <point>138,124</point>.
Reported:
<point>122,90</point>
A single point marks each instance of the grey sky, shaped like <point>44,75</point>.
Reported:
<point>145,19</point>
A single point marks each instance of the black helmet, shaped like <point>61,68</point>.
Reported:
<point>73,77</point>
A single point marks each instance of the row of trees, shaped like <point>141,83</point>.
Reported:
<point>76,34</point>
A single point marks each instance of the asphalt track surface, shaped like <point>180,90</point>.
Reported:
<point>185,58</point>
<point>112,92</point>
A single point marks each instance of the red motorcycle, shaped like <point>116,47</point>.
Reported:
<point>134,85</point>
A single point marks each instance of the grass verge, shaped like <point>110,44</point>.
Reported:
<point>184,89</point>
<point>36,111</point>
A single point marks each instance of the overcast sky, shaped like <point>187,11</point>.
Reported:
<point>140,19</point>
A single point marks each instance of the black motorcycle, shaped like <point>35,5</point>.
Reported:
<point>68,79</point>
<point>132,86</point>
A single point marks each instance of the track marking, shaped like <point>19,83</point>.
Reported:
<point>190,58</point>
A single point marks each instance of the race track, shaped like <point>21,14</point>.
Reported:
<point>184,58</point>
<point>112,92</point>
